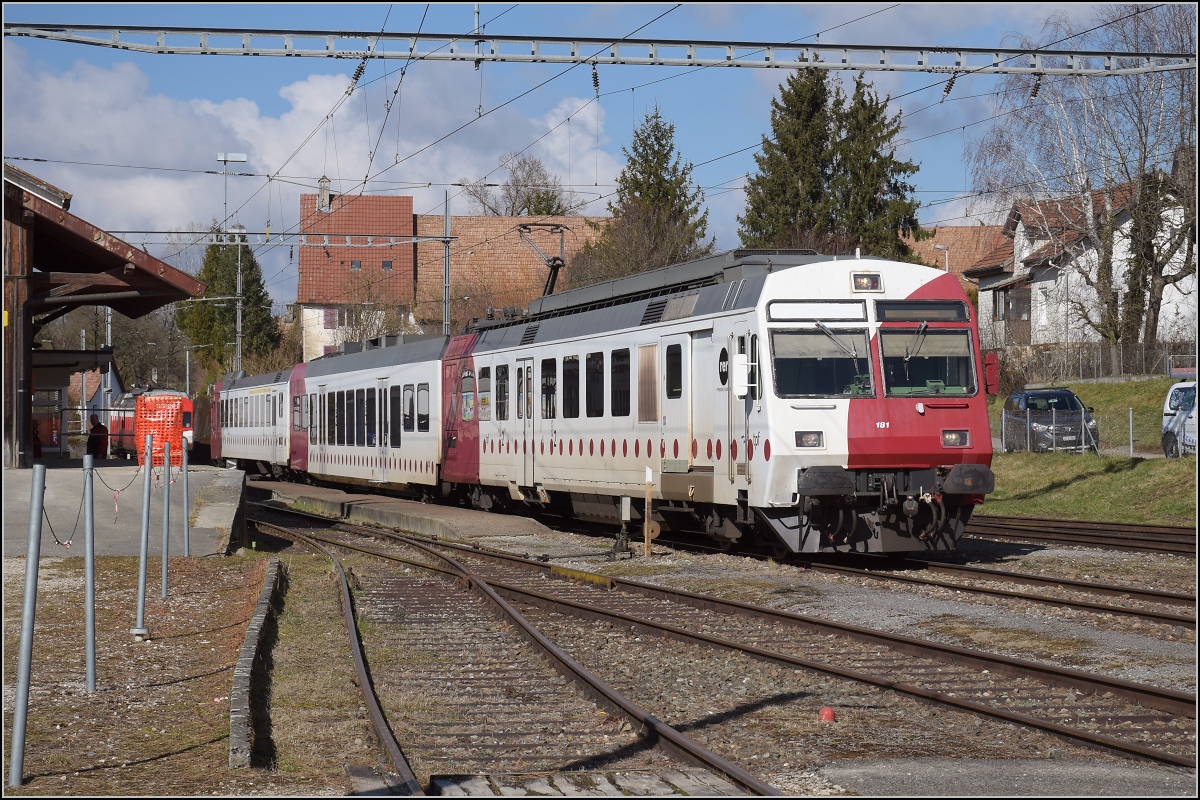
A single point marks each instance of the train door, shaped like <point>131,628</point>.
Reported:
<point>525,420</point>
<point>381,429</point>
<point>733,367</point>
<point>675,402</point>
<point>323,420</point>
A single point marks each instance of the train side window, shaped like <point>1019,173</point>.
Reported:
<point>755,370</point>
<point>371,417</point>
<point>279,405</point>
<point>648,383</point>
<point>360,418</point>
<point>422,406</point>
<point>330,416</point>
<point>485,393</point>
<point>310,415</point>
<point>340,420</point>
<point>570,387</point>
<point>410,416</point>
<point>502,392</point>
<point>620,383</point>
<point>297,412</point>
<point>467,390</point>
<point>245,412</point>
<point>397,414</point>
<point>674,371</point>
<point>549,388</point>
<point>594,380</point>
<point>520,392</point>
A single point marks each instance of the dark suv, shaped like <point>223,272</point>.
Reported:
<point>1039,420</point>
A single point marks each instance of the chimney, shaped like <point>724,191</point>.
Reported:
<point>323,194</point>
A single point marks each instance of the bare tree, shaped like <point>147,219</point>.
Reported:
<point>1087,163</point>
<point>531,190</point>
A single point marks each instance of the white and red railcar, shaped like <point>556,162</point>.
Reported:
<point>810,402</point>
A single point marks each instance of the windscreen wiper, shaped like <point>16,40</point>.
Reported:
<point>915,345</point>
<point>850,351</point>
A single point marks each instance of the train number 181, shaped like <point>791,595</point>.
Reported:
<point>882,424</point>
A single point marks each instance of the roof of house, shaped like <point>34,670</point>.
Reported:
<point>966,243</point>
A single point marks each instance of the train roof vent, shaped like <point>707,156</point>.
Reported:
<point>530,334</point>
<point>654,312</point>
<point>681,307</point>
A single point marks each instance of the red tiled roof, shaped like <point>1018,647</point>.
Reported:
<point>327,273</point>
<point>967,243</point>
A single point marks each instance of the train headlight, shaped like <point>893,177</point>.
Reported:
<point>810,439</point>
<point>867,282</point>
<point>956,438</point>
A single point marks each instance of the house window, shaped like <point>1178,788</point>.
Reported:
<point>331,316</point>
<point>387,265</point>
<point>355,265</point>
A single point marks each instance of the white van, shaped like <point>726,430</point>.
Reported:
<point>1179,420</point>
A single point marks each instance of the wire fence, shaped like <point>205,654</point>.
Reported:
<point>1062,362</point>
<point>1136,432</point>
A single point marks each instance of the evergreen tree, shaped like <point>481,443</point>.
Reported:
<point>872,197</point>
<point>657,216</point>
<point>828,178</point>
<point>214,323</point>
<point>788,202</point>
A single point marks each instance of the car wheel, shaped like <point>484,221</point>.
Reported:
<point>1170,446</point>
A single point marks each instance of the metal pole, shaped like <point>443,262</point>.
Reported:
<point>16,760</point>
<point>238,359</point>
<point>139,628</point>
<point>187,372</point>
<point>1053,432</point>
<point>1131,433</point>
<point>446,269</point>
<point>89,573</point>
<point>1028,446</point>
<point>187,525</point>
<point>166,511</point>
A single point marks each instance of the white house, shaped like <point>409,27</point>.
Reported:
<point>1034,289</point>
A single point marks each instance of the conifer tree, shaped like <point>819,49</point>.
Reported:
<point>214,323</point>
<point>657,216</point>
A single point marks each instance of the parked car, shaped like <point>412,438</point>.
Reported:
<point>1040,420</point>
<point>1179,420</point>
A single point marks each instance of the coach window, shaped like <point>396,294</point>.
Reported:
<point>279,405</point>
<point>410,417</point>
<point>620,383</point>
<point>502,392</point>
<point>245,412</point>
<point>674,371</point>
<point>485,393</point>
<point>371,414</point>
<point>339,421</point>
<point>648,383</point>
<point>330,416</point>
<point>520,391</point>
<point>310,418</point>
<point>360,418</point>
<point>396,407</point>
<point>467,389</point>
<point>307,410</point>
<point>594,381</point>
<point>549,388</point>
<point>297,412</point>
<point>422,406</point>
<point>571,387</point>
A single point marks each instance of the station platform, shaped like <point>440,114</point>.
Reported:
<point>215,501</point>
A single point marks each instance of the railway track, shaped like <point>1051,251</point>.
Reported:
<point>1140,597</point>
<point>1119,716</point>
<point>475,693</point>
<point>1143,538</point>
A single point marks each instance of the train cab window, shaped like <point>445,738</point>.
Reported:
<point>918,361</point>
<point>410,415</point>
<point>339,421</point>
<point>187,419</point>
<point>648,383</point>
<point>502,392</point>
<point>466,388</point>
<point>570,388</point>
<point>674,371</point>
<point>549,388</point>
<point>485,393</point>
<point>396,409</point>
<point>620,383</point>
<point>594,384</point>
<point>372,414</point>
<point>821,363</point>
<point>360,418</point>
<point>422,406</point>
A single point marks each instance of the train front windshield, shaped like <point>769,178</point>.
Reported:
<point>922,361</point>
<point>821,363</point>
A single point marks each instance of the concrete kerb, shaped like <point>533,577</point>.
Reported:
<point>241,719</point>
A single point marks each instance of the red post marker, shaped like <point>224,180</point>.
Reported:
<point>827,714</point>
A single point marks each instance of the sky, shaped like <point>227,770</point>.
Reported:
<point>134,137</point>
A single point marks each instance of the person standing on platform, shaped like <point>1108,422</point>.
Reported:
<point>97,444</point>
